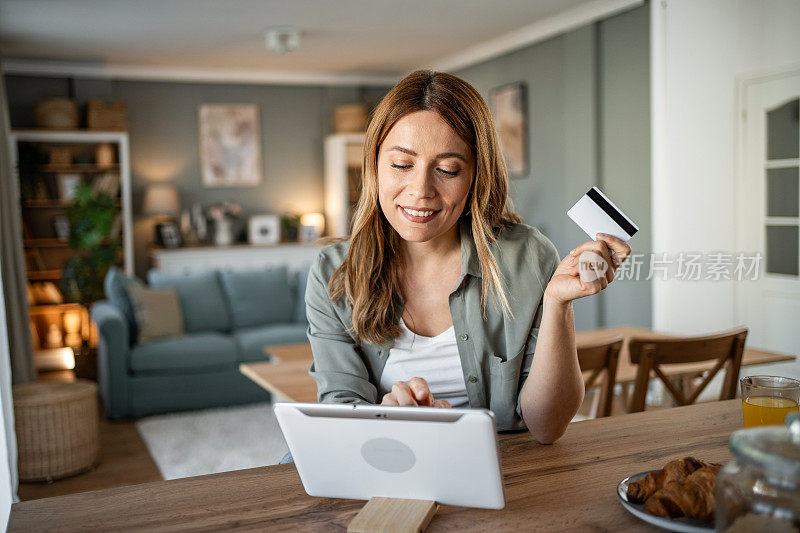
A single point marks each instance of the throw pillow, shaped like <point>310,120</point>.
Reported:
<point>158,312</point>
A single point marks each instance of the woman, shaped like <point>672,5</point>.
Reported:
<point>441,296</point>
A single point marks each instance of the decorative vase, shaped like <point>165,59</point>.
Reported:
<point>223,236</point>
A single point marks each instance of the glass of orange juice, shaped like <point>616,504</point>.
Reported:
<point>766,400</point>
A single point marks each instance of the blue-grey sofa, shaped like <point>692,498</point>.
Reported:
<point>229,317</point>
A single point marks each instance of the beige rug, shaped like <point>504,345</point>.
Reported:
<point>215,440</point>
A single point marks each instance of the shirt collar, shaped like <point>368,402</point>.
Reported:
<point>469,254</point>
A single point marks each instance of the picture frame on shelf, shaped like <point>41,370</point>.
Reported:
<point>510,111</point>
<point>169,235</point>
<point>68,186</point>
<point>264,229</point>
<point>61,227</point>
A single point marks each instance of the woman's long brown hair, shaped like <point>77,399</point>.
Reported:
<point>369,276</point>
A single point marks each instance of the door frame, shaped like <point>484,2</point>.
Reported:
<point>743,85</point>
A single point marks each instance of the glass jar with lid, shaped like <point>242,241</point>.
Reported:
<point>760,489</point>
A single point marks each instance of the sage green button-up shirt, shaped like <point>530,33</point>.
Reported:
<point>496,352</point>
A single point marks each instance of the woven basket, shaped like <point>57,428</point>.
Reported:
<point>56,114</point>
<point>350,118</point>
<point>57,429</point>
<point>109,116</point>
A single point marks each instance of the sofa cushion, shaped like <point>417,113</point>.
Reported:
<point>252,341</point>
<point>158,312</point>
<point>116,288</point>
<point>202,302</point>
<point>300,296</point>
<point>194,351</point>
<point>258,297</point>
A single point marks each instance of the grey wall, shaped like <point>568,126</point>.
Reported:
<point>588,100</point>
<point>164,138</point>
<point>588,124</point>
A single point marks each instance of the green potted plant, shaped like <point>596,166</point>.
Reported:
<point>290,224</point>
<point>92,220</point>
<point>94,237</point>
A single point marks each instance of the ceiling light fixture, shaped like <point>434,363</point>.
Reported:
<point>282,39</point>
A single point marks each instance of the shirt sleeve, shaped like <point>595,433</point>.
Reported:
<point>338,368</point>
<point>533,336</point>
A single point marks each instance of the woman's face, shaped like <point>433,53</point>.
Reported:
<point>425,172</point>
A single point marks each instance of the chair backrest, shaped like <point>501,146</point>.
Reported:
<point>726,348</point>
<point>601,359</point>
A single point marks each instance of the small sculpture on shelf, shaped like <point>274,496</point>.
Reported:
<point>199,223</point>
<point>223,215</point>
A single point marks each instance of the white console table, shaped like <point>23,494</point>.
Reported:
<point>194,259</point>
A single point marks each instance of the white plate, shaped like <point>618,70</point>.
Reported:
<point>685,525</point>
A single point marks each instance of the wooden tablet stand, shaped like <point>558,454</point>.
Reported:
<point>393,515</point>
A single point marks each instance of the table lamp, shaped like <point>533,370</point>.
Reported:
<point>162,201</point>
<point>311,226</point>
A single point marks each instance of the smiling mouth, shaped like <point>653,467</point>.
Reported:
<point>419,215</point>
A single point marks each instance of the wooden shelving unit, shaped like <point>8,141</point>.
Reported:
<point>46,242</point>
<point>42,200</point>
<point>51,204</point>
<point>90,168</point>
<point>44,275</point>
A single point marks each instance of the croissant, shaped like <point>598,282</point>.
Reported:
<point>674,471</point>
<point>639,491</point>
<point>692,498</point>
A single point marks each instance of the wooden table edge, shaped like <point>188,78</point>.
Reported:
<point>247,371</point>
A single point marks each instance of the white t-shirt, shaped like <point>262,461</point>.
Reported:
<point>435,359</point>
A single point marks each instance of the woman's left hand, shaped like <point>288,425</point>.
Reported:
<point>588,269</point>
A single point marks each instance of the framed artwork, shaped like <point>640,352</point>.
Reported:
<point>264,229</point>
<point>169,235</point>
<point>230,145</point>
<point>510,111</point>
<point>68,186</point>
<point>61,227</point>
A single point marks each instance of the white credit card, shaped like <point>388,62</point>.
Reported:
<point>595,213</point>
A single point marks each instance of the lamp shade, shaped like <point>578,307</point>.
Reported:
<point>161,200</point>
<point>315,220</point>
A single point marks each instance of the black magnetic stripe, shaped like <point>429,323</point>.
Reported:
<point>610,211</point>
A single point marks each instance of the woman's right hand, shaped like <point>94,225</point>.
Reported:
<point>414,392</point>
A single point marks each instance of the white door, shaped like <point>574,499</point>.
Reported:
<point>769,212</point>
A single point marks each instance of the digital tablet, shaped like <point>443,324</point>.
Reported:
<point>424,453</point>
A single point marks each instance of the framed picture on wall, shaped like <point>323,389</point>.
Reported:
<point>230,145</point>
<point>510,110</point>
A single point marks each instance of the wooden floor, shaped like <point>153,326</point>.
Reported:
<point>124,460</point>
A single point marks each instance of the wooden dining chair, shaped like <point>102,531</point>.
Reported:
<point>726,348</point>
<point>601,359</point>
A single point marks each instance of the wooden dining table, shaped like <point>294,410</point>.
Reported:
<point>286,374</point>
<point>567,486</point>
